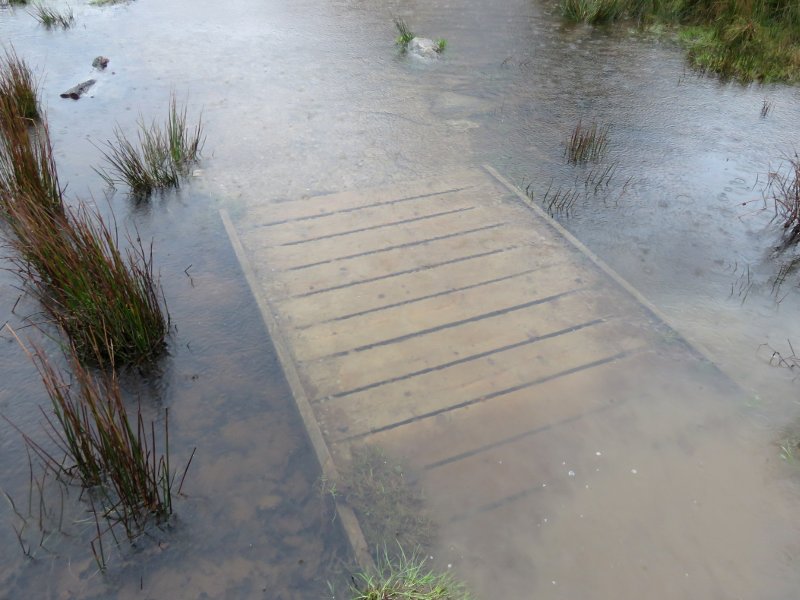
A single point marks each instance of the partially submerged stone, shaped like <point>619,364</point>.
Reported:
<point>100,63</point>
<point>78,90</point>
<point>424,47</point>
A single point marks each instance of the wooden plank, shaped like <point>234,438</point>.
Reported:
<point>380,328</point>
<point>369,217</point>
<point>505,374</point>
<point>344,303</point>
<point>303,208</point>
<point>455,434</point>
<point>446,247</point>
<point>431,352</point>
<point>370,240</point>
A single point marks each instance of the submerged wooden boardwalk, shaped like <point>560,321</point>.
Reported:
<point>449,322</point>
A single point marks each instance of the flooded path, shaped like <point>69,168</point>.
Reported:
<point>308,98</point>
<point>447,322</point>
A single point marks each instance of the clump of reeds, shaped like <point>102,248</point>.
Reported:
<point>594,12</point>
<point>18,87</point>
<point>114,456</point>
<point>784,189</point>
<point>107,301</point>
<point>406,578</point>
<point>161,158</point>
<point>404,33</point>
<point>50,17</point>
<point>587,144</point>
<point>27,166</point>
<point>766,108</point>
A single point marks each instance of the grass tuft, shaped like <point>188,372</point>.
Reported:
<point>587,144</point>
<point>405,35</point>
<point>50,17</point>
<point>27,165</point>
<point>98,444</point>
<point>161,158</point>
<point>441,45</point>
<point>406,578</point>
<point>107,301</point>
<point>18,88</point>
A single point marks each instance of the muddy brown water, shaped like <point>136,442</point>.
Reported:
<point>308,97</point>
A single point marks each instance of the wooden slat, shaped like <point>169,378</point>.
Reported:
<point>314,206</point>
<point>380,327</point>
<point>341,374</point>
<point>489,377</point>
<point>409,287</point>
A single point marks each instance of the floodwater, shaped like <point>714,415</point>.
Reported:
<point>309,97</point>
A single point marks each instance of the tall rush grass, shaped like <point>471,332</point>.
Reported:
<point>18,85</point>
<point>586,143</point>
<point>108,301</point>
<point>96,443</point>
<point>161,158</point>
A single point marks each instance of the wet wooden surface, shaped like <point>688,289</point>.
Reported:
<point>450,323</point>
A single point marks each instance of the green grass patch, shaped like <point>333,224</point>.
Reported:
<point>406,578</point>
<point>746,40</point>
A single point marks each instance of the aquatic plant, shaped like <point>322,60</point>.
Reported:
<point>50,17</point>
<point>107,301</point>
<point>766,107</point>
<point>27,165</point>
<point>98,444</point>
<point>406,578</point>
<point>18,88</point>
<point>391,511</point>
<point>586,144</point>
<point>405,35</point>
<point>742,39</point>
<point>441,45</point>
<point>784,190</point>
<point>161,159</point>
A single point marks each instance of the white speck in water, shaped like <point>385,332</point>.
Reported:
<point>597,470</point>
<point>564,463</point>
<point>544,485</point>
<point>581,516</point>
<point>634,471</point>
<point>449,565</point>
<point>587,486</point>
<point>598,453</point>
<point>499,462</point>
<point>571,473</point>
<point>545,519</point>
<point>554,582</point>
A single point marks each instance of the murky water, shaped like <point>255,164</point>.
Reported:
<point>306,97</point>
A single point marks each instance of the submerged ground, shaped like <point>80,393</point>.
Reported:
<point>313,97</point>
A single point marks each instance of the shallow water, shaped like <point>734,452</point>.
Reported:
<point>306,97</point>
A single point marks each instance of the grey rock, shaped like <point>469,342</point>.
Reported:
<point>423,47</point>
<point>100,63</point>
<point>78,90</point>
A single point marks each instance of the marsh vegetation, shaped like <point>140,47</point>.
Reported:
<point>741,39</point>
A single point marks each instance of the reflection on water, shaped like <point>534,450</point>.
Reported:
<point>305,97</point>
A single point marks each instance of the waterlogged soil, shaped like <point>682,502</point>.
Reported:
<point>311,96</point>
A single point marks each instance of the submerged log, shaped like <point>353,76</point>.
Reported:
<point>79,90</point>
